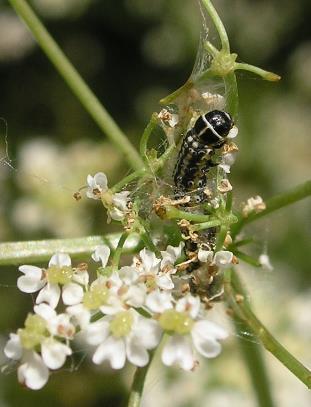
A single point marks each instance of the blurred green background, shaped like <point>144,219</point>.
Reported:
<point>132,53</point>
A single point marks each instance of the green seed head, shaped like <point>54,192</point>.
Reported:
<point>59,275</point>
<point>177,322</point>
<point>122,323</point>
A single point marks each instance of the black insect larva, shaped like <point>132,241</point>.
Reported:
<point>198,147</point>
<point>196,157</point>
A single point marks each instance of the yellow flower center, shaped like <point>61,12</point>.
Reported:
<point>97,296</point>
<point>122,323</point>
<point>34,331</point>
<point>59,275</point>
<point>177,322</point>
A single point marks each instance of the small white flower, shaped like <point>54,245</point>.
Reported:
<point>48,281</point>
<point>149,269</point>
<point>126,335</point>
<point>96,185</point>
<point>171,254</point>
<point>187,330</point>
<point>119,208</point>
<point>102,254</point>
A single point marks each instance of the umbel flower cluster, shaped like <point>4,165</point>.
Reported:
<point>122,314</point>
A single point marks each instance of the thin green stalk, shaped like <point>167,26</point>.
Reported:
<point>232,95</point>
<point>253,358</point>
<point>207,225</point>
<point>218,24</point>
<point>117,254</point>
<point>76,83</point>
<point>273,204</point>
<point>251,352</point>
<point>174,213</point>
<point>221,237</point>
<point>129,178</point>
<point>138,384</point>
<point>37,251</point>
<point>237,298</point>
<point>268,76</point>
<point>145,138</point>
<point>246,258</point>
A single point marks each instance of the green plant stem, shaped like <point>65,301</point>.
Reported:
<point>232,95</point>
<point>37,251</point>
<point>237,299</point>
<point>253,358</point>
<point>174,213</point>
<point>119,250</point>
<point>268,76</point>
<point>221,237</point>
<point>145,137</point>
<point>273,204</point>
<point>76,83</point>
<point>207,225</point>
<point>246,258</point>
<point>129,178</point>
<point>138,384</point>
<point>218,24</point>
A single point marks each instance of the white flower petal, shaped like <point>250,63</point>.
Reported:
<point>206,329</point>
<point>29,285</point>
<point>128,274</point>
<point>135,296</point>
<point>164,282</point>
<point>49,294</point>
<point>171,254</point>
<point>150,262</point>
<point>189,304</point>
<point>33,373</point>
<point>136,353</point>
<point>72,294</point>
<point>13,348</point>
<point>158,301</point>
<point>178,351</point>
<point>97,332</point>
<point>112,350</point>
<point>54,353</point>
<point>81,277</point>
<point>100,180</point>
<point>80,314</point>
<point>147,332</point>
<point>32,280</point>
<point>102,254</point>
<point>45,311</point>
<point>31,271</point>
<point>60,260</point>
<point>120,200</point>
<point>205,335</point>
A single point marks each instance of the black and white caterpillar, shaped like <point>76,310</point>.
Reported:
<point>197,151</point>
<point>197,155</point>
